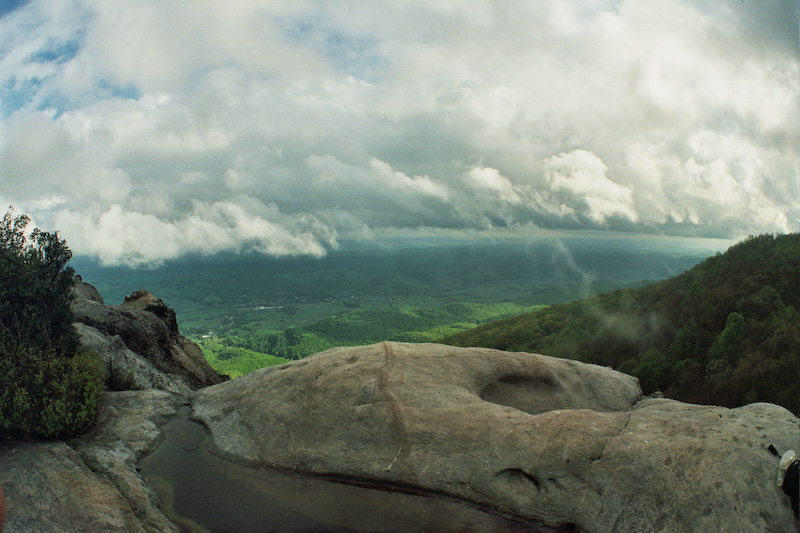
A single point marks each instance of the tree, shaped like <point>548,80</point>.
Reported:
<point>726,345</point>
<point>48,385</point>
<point>35,288</point>
<point>686,344</point>
<point>652,371</point>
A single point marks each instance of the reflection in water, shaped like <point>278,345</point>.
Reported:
<point>202,492</point>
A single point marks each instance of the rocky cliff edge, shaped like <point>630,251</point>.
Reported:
<point>139,341</point>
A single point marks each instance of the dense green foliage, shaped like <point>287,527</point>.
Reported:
<point>238,355</point>
<point>36,289</point>
<point>233,361</point>
<point>725,332</point>
<point>408,324</point>
<point>45,395</point>
<point>48,386</point>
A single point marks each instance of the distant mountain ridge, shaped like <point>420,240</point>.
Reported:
<point>725,332</point>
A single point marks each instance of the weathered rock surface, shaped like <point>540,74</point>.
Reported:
<point>49,488</point>
<point>84,291</point>
<point>125,368</point>
<point>543,438</point>
<point>148,329</point>
<point>128,427</point>
<point>89,483</point>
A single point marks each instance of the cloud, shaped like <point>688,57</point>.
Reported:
<point>336,119</point>
<point>582,175</point>
<point>726,178</point>
<point>419,184</point>
<point>490,180</point>
<point>132,238</point>
<point>40,160</point>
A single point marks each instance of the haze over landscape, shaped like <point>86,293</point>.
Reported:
<point>147,132</point>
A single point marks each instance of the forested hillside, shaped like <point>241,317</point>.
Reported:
<point>725,332</point>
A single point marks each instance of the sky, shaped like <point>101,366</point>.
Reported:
<point>148,130</point>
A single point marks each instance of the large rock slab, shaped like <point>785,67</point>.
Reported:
<point>49,488</point>
<point>547,439</point>
<point>89,483</point>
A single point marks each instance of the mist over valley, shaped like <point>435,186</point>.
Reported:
<point>224,294</point>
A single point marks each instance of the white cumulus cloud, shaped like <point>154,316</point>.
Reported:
<point>490,180</point>
<point>117,236</point>
<point>582,175</point>
<point>283,126</point>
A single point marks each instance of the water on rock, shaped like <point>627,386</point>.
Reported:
<point>202,492</point>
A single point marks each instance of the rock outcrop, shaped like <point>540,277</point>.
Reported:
<point>90,483</point>
<point>139,341</point>
<point>125,368</point>
<point>85,291</point>
<point>552,440</point>
<point>555,441</point>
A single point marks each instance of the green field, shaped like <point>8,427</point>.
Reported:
<point>235,355</point>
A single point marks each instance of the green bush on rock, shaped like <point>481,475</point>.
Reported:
<point>49,386</point>
<point>49,396</point>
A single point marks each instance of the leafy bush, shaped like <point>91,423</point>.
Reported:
<point>48,386</point>
<point>49,396</point>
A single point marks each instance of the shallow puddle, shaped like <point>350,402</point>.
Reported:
<point>202,492</point>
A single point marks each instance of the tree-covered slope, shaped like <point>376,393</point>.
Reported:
<point>725,332</point>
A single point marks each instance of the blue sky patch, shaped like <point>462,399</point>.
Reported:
<point>7,6</point>
<point>110,90</point>
<point>14,94</point>
<point>358,56</point>
<point>58,54</point>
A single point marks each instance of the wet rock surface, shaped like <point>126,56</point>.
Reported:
<point>129,427</point>
<point>245,499</point>
<point>557,441</point>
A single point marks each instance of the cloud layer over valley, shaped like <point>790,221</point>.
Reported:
<point>145,131</point>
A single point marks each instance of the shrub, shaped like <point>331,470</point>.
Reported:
<point>49,387</point>
<point>47,395</point>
